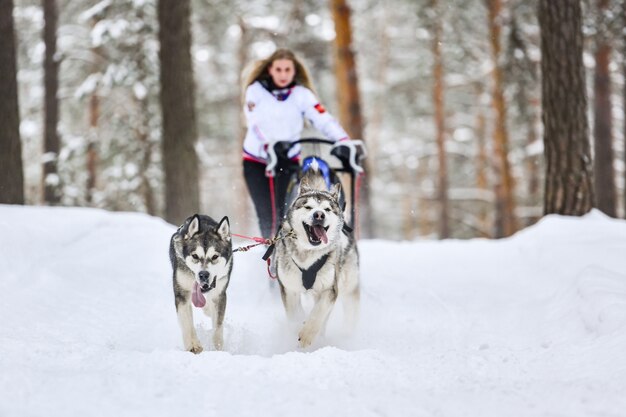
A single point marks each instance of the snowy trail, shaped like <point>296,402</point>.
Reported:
<point>528,326</point>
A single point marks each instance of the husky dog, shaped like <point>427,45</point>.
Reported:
<point>201,255</point>
<point>317,256</point>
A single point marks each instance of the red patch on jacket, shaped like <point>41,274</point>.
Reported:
<point>320,109</point>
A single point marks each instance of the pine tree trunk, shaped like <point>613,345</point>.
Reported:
<point>482,162</point>
<point>532,166</point>
<point>375,119</point>
<point>345,71</point>
<point>143,130</point>
<point>624,93</point>
<point>92,134</point>
<point>244,211</point>
<point>52,145</point>
<point>348,97</point>
<point>242,61</point>
<point>604,171</point>
<point>11,172</point>
<point>92,153</point>
<point>425,206</point>
<point>506,223</point>
<point>569,174</point>
<point>377,113</point>
<point>182,194</point>
<point>406,204</point>
<point>146,157</point>
<point>528,113</point>
<point>442,174</point>
<point>143,135</point>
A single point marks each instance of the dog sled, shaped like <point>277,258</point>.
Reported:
<point>345,166</point>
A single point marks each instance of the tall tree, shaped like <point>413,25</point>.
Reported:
<point>243,211</point>
<point>94,118</point>
<point>482,161</point>
<point>143,133</point>
<point>624,92</point>
<point>11,172</point>
<point>604,171</point>
<point>345,71</point>
<point>522,69</point>
<point>381,63</point>
<point>145,122</point>
<point>180,160</point>
<point>506,222</point>
<point>52,145</point>
<point>569,176</point>
<point>348,96</point>
<point>440,125</point>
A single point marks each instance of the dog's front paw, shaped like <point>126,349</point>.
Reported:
<point>195,347</point>
<point>305,337</point>
<point>218,342</point>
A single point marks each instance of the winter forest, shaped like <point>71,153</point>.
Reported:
<point>479,116</point>
<point>489,278</point>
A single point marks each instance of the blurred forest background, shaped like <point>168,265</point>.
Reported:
<point>449,98</point>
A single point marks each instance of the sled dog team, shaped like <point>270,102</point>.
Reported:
<point>315,254</point>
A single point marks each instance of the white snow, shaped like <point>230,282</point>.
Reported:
<point>88,86</point>
<point>94,11</point>
<point>534,325</point>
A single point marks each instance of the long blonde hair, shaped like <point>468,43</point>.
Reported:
<point>260,69</point>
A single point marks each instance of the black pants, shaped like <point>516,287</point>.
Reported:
<point>259,189</point>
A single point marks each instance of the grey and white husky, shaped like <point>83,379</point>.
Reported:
<point>201,255</point>
<point>317,256</point>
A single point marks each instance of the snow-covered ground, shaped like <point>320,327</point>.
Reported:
<point>534,325</point>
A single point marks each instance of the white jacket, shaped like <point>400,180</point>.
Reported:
<point>270,120</point>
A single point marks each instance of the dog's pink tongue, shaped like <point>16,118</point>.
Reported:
<point>197,298</point>
<point>320,233</point>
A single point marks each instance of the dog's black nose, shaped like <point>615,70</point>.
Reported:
<point>319,215</point>
<point>204,276</point>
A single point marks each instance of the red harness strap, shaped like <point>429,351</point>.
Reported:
<point>259,241</point>
<point>269,271</point>
<point>256,239</point>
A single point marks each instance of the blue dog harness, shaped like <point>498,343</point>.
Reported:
<point>322,165</point>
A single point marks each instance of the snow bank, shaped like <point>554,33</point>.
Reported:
<point>527,326</point>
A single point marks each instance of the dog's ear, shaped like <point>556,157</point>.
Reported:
<point>223,229</point>
<point>304,188</point>
<point>304,184</point>
<point>335,191</point>
<point>194,227</point>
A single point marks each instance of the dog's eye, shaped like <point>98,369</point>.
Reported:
<point>195,257</point>
<point>308,207</point>
<point>327,210</point>
<point>214,258</point>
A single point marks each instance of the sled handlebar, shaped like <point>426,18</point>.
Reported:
<point>349,152</point>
